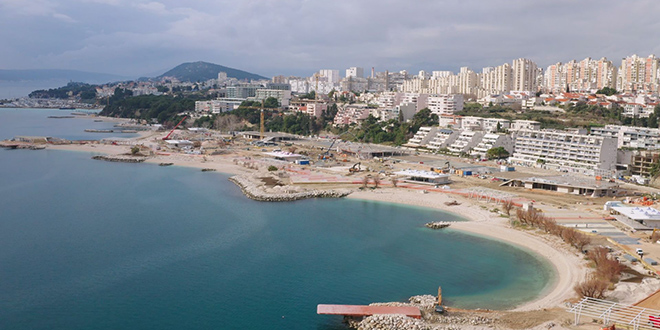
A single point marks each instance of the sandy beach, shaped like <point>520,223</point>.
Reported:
<point>568,265</point>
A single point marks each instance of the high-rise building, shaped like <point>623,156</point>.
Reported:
<point>332,76</point>
<point>524,75</point>
<point>638,74</point>
<point>356,72</point>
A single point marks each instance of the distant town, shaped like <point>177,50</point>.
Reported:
<point>592,117</point>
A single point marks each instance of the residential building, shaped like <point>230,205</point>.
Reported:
<point>355,72</point>
<point>443,138</point>
<point>422,137</point>
<point>564,151</point>
<point>630,136</point>
<point>242,91</point>
<point>638,74</point>
<point>283,96</point>
<point>465,141</point>
<point>517,125</point>
<point>642,162</point>
<point>525,73</point>
<point>351,114</point>
<point>492,140</point>
<point>331,76</point>
<point>445,104</point>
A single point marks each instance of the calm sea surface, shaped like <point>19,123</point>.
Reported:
<point>87,244</point>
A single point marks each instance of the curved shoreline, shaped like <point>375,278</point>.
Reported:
<point>568,266</point>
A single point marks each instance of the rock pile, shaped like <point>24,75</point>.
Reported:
<point>437,224</point>
<point>257,191</point>
<point>121,158</point>
<point>389,322</point>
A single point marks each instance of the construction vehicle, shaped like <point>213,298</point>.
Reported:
<point>354,169</point>
<point>172,131</point>
<point>442,170</point>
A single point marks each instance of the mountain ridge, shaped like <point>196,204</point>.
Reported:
<point>202,71</point>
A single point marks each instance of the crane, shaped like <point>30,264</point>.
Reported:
<point>172,131</point>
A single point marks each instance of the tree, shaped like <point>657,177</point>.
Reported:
<point>135,150</point>
<point>497,153</point>
<point>607,91</point>
<point>271,103</point>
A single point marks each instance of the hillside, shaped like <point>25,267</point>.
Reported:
<point>202,71</point>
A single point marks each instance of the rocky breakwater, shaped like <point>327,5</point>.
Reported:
<point>121,158</point>
<point>255,188</point>
<point>437,225</point>
<point>450,320</point>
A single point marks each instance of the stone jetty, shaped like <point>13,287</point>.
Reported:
<point>121,158</point>
<point>430,320</point>
<point>258,191</point>
<point>437,224</point>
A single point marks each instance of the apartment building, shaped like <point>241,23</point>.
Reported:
<point>525,74</point>
<point>283,96</point>
<point>638,74</point>
<point>445,104</point>
<point>518,125</point>
<point>564,151</point>
<point>242,91</point>
<point>351,114</point>
<point>630,136</point>
<point>642,162</point>
<point>443,138</point>
<point>465,141</point>
<point>355,72</point>
<point>218,106</point>
<point>422,137</point>
<point>492,140</point>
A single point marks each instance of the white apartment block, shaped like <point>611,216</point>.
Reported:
<point>332,76</point>
<point>445,104</point>
<point>518,125</point>
<point>312,109</point>
<point>564,151</point>
<point>351,114</point>
<point>525,74</point>
<point>443,138</point>
<point>283,96</point>
<point>630,136</point>
<point>355,72</point>
<point>492,140</point>
<point>466,140</point>
<point>218,106</point>
<point>422,137</point>
<point>493,124</point>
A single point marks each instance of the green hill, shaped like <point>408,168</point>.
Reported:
<point>202,71</point>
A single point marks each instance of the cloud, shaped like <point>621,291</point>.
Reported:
<point>302,36</point>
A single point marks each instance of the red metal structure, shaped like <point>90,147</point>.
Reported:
<point>177,125</point>
<point>358,310</point>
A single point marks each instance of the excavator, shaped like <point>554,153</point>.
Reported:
<point>442,170</point>
<point>356,168</point>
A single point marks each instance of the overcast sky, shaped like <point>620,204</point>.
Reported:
<point>299,37</point>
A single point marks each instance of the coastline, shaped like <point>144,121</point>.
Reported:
<point>568,266</point>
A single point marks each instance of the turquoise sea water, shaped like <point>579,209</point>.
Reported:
<point>35,122</point>
<point>87,244</point>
